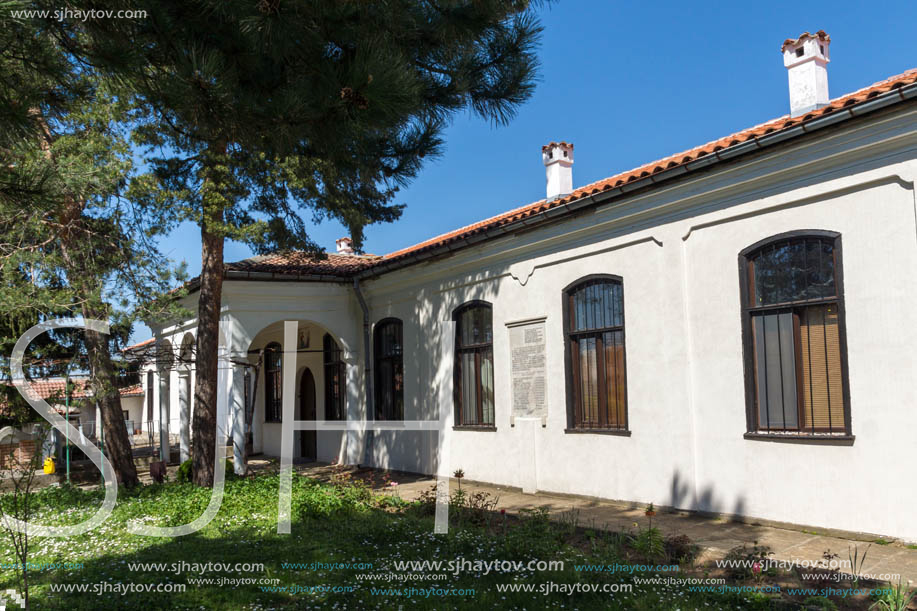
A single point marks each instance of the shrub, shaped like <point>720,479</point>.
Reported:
<point>680,548</point>
<point>819,602</point>
<point>742,559</point>
<point>183,473</point>
<point>533,536</point>
<point>649,544</point>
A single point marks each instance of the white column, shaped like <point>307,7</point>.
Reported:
<point>224,388</point>
<point>444,401</point>
<point>354,408</point>
<point>288,365</point>
<point>444,382</point>
<point>184,406</point>
<point>237,405</point>
<point>164,393</point>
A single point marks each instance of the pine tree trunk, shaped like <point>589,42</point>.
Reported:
<point>105,391</point>
<point>104,382</point>
<point>205,383</point>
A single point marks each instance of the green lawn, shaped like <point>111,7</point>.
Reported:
<point>332,523</point>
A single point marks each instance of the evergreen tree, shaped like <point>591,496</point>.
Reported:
<point>69,241</point>
<point>260,111</point>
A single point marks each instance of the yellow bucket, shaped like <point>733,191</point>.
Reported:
<point>49,465</point>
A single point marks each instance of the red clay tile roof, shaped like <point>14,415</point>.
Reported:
<point>298,262</point>
<point>820,35</point>
<point>346,265</point>
<point>54,388</point>
<point>672,161</point>
<point>132,391</point>
<point>145,342</point>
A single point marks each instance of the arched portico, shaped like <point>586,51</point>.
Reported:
<point>333,375</point>
<point>252,317</point>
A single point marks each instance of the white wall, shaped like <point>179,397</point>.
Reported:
<point>676,248</point>
<point>134,408</point>
<point>677,251</point>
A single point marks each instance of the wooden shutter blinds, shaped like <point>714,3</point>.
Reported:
<point>822,384</point>
<point>595,336</point>
<point>796,344</point>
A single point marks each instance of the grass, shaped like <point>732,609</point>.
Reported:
<point>332,523</point>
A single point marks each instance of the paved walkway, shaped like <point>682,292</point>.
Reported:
<point>715,535</point>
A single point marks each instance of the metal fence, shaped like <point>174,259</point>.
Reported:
<point>145,437</point>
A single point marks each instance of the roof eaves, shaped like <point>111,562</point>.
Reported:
<point>564,206</point>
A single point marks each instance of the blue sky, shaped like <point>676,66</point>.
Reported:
<point>626,83</point>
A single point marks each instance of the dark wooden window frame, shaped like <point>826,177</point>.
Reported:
<point>573,425</point>
<point>397,365</point>
<point>335,399</point>
<point>748,356</point>
<point>478,349</point>
<point>273,406</point>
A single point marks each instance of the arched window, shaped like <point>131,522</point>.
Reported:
<point>793,334</point>
<point>335,379</point>
<point>389,363</point>
<point>474,365</point>
<point>273,383</point>
<point>595,363</point>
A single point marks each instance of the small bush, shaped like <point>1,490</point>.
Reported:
<point>475,507</point>
<point>819,602</point>
<point>183,473</point>
<point>680,548</point>
<point>741,560</point>
<point>649,544</point>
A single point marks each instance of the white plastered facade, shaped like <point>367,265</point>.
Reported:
<point>676,248</point>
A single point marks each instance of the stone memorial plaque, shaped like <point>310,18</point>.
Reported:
<point>528,368</point>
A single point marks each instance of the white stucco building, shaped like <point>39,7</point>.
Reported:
<point>728,329</point>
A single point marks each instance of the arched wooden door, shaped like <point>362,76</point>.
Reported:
<point>307,439</point>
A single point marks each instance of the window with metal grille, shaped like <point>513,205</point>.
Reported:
<point>793,334</point>
<point>389,362</point>
<point>474,365</point>
<point>273,383</point>
<point>149,396</point>
<point>335,379</point>
<point>595,362</point>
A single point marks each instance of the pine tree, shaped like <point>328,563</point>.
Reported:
<point>69,241</point>
<point>259,111</point>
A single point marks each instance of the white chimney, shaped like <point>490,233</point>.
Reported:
<point>345,246</point>
<point>806,60</point>
<point>558,168</point>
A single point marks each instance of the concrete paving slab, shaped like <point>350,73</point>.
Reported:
<point>716,535</point>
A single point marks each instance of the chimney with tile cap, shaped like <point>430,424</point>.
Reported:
<point>558,165</point>
<point>806,59</point>
<point>345,246</point>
